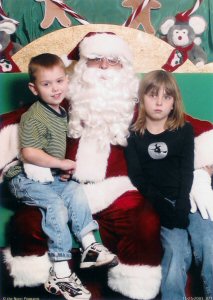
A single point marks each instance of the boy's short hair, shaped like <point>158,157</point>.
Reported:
<point>45,60</point>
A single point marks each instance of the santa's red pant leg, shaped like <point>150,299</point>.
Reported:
<point>130,228</point>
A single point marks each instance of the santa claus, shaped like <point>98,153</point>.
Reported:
<point>103,93</point>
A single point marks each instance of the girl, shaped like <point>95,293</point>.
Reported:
<point>160,156</point>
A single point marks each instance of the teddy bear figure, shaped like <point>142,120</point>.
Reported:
<point>7,47</point>
<point>183,34</point>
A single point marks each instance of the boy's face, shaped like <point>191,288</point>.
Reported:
<point>51,85</point>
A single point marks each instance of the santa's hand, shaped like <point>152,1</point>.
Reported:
<point>37,173</point>
<point>201,195</point>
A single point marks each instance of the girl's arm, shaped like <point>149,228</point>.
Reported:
<point>164,207</point>
<point>135,171</point>
<point>138,179</point>
<point>187,168</point>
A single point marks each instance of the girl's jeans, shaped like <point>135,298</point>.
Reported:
<point>64,207</point>
<point>179,245</point>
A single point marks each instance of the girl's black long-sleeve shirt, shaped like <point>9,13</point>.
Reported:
<point>161,167</point>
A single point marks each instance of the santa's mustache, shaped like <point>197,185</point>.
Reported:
<point>92,75</point>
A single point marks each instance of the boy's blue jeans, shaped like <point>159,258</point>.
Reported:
<point>179,245</point>
<point>64,208</point>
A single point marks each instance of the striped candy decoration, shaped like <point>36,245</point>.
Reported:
<point>184,16</point>
<point>71,12</point>
<point>136,13</point>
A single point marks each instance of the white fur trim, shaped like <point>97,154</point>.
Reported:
<point>102,194</point>
<point>6,168</point>
<point>37,173</point>
<point>7,26</point>
<point>136,282</point>
<point>9,144</point>
<point>204,149</point>
<point>91,162</point>
<point>28,270</point>
<point>67,62</point>
<point>103,44</point>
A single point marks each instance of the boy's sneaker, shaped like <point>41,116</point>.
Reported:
<point>69,287</point>
<point>97,255</point>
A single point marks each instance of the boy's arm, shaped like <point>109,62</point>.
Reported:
<point>40,158</point>
<point>36,162</point>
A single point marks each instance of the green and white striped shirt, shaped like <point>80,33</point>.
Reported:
<point>43,128</point>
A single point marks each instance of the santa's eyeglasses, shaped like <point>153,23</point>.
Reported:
<point>112,61</point>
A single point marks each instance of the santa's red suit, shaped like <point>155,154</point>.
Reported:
<point>128,225</point>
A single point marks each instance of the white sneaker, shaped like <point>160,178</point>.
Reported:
<point>70,287</point>
<point>97,255</point>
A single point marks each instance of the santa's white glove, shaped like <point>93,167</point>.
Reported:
<point>201,195</point>
<point>37,173</point>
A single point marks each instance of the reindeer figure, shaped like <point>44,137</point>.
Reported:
<point>143,18</point>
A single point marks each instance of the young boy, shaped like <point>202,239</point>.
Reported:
<point>63,204</point>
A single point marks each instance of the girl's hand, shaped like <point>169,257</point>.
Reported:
<point>67,165</point>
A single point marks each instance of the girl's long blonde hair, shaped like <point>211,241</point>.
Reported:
<point>153,81</point>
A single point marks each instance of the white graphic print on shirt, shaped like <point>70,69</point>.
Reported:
<point>158,150</point>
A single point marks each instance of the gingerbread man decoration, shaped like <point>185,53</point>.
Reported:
<point>143,18</point>
<point>52,12</point>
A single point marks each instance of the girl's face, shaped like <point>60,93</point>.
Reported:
<point>158,105</point>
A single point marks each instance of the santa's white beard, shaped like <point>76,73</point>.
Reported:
<point>102,103</point>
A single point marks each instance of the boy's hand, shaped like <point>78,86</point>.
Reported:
<point>67,164</point>
<point>65,176</point>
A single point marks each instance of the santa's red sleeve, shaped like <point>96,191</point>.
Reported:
<point>203,142</point>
